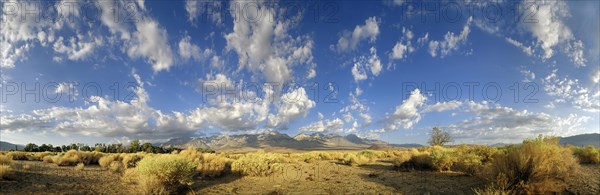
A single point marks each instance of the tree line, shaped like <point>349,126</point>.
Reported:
<point>134,146</point>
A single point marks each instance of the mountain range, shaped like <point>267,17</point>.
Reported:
<point>273,139</point>
<point>317,141</point>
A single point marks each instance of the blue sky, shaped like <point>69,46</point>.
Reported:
<point>387,70</point>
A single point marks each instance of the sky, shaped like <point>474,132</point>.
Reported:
<point>113,71</point>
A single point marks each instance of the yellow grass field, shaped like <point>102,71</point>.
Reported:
<point>537,166</point>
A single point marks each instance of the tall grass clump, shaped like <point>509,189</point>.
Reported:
<point>354,159</point>
<point>587,155</point>
<point>207,164</point>
<point>258,164</point>
<point>538,166</point>
<point>18,155</point>
<point>163,174</point>
<point>6,169</point>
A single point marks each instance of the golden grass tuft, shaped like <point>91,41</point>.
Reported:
<point>538,166</point>
<point>163,174</point>
<point>587,155</point>
<point>6,171</point>
<point>79,166</point>
<point>258,164</point>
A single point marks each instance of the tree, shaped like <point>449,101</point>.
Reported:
<point>439,137</point>
<point>147,147</point>
<point>31,147</point>
<point>134,146</point>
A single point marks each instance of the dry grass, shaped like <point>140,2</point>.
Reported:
<point>354,159</point>
<point>258,164</point>
<point>163,174</point>
<point>79,166</point>
<point>538,166</point>
<point>6,170</point>
<point>18,155</point>
<point>587,155</point>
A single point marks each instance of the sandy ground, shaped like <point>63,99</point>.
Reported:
<point>301,178</point>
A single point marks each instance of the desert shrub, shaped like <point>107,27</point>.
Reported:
<point>5,160</point>
<point>258,164</point>
<point>79,166</point>
<point>6,171</point>
<point>442,160</point>
<point>537,166</point>
<point>307,157</point>
<point>164,174</point>
<point>18,155</point>
<point>105,161</point>
<point>354,160</point>
<point>420,161</point>
<point>73,157</point>
<point>468,163</point>
<point>587,155</point>
<point>115,166</point>
<point>130,160</point>
<point>47,159</point>
<point>212,165</point>
<point>401,158</point>
<point>39,156</point>
<point>372,154</point>
<point>130,176</point>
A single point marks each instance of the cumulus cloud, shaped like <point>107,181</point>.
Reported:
<point>494,124</point>
<point>404,46</point>
<point>442,106</point>
<point>350,40</point>
<point>293,105</point>
<point>151,42</point>
<point>406,114</point>
<point>451,41</point>
<point>550,30</point>
<point>332,126</point>
<point>264,46</point>
<point>364,64</point>
<point>189,50</point>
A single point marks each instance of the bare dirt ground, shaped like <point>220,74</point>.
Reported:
<point>321,177</point>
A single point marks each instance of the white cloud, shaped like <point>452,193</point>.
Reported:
<point>528,74</point>
<point>527,50</point>
<point>363,64</point>
<point>333,126</point>
<point>550,30</point>
<point>195,8</point>
<point>442,106</point>
<point>350,40</point>
<point>151,42</point>
<point>406,114</point>
<point>575,51</point>
<point>188,50</point>
<point>292,105</point>
<point>494,124</point>
<point>596,76</point>
<point>570,90</point>
<point>79,47</point>
<point>265,46</point>
<point>451,41</point>
<point>404,46</point>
